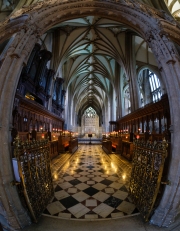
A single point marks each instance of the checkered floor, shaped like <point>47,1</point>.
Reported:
<point>91,186</point>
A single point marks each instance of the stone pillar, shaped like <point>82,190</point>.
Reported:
<point>131,72</point>
<point>14,214</point>
<point>118,71</point>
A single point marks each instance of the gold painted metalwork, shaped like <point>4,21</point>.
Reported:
<point>147,169</point>
<point>35,174</point>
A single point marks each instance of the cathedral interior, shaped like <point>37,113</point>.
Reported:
<point>89,114</point>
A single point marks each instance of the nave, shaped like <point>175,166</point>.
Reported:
<point>91,185</point>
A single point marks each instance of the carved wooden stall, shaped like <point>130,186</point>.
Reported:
<point>107,145</point>
<point>153,119</point>
<point>127,150</point>
<point>31,116</point>
<point>54,149</point>
<point>32,121</point>
<point>150,123</point>
<point>73,145</point>
<point>118,142</point>
<point>35,111</point>
<point>28,115</point>
<point>67,142</point>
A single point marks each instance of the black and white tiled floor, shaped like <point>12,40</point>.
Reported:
<point>91,186</point>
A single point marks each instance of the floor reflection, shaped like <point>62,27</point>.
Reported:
<point>91,185</point>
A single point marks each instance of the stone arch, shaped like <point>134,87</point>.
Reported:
<point>146,21</point>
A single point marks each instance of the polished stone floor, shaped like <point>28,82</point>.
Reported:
<point>91,168</point>
<point>91,186</point>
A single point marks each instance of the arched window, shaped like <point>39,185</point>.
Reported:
<point>90,113</point>
<point>91,121</point>
<point>149,87</point>
<point>141,90</point>
<point>155,86</point>
<point>142,99</point>
<point>127,102</point>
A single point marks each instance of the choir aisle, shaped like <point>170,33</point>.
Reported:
<point>91,185</point>
<point>91,188</point>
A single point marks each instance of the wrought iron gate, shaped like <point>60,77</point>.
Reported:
<point>147,169</point>
<point>35,174</point>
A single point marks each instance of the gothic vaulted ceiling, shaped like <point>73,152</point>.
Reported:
<point>86,51</point>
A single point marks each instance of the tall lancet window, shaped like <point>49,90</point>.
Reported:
<point>127,102</point>
<point>90,113</point>
<point>155,86</point>
<point>149,87</point>
<point>91,121</point>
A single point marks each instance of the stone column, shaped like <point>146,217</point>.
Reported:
<point>168,59</point>
<point>118,72</point>
<point>131,72</point>
<point>112,106</point>
<point>14,214</point>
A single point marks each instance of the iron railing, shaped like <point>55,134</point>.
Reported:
<point>33,160</point>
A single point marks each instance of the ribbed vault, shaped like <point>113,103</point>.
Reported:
<point>86,51</point>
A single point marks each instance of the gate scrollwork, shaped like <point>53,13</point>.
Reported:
<point>147,169</point>
<point>35,174</point>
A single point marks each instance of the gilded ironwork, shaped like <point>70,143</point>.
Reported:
<point>147,169</point>
<point>35,174</point>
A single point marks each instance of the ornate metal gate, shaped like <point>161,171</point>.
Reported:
<point>147,169</point>
<point>35,174</point>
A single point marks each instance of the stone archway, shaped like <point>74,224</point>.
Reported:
<point>29,24</point>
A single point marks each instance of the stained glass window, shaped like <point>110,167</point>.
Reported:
<point>90,113</point>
